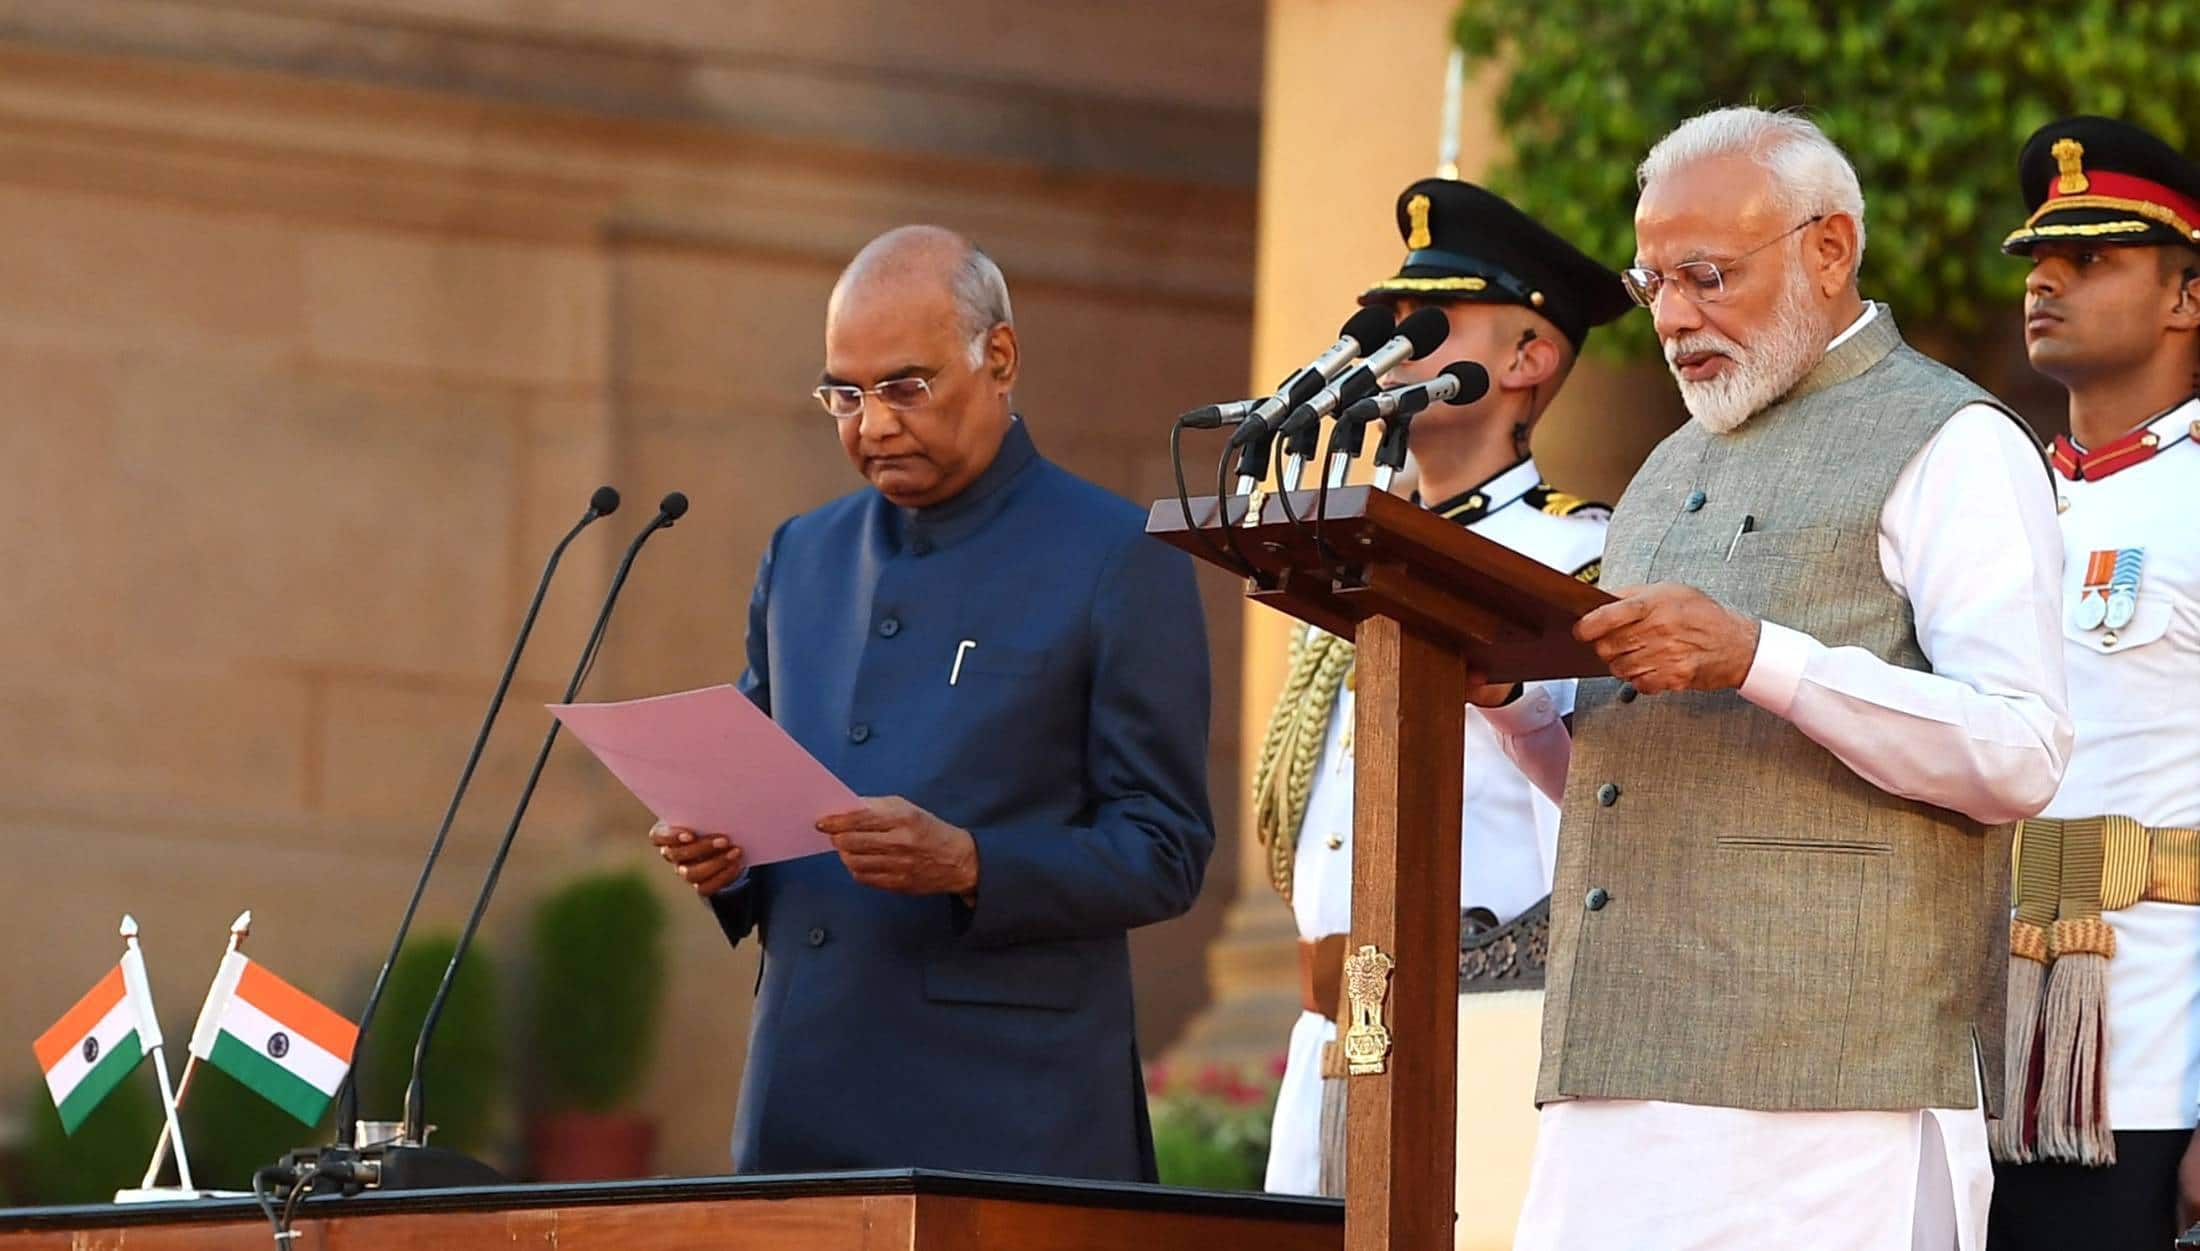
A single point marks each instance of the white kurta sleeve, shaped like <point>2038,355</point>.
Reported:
<point>1968,536</point>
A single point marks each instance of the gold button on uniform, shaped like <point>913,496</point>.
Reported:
<point>2109,639</point>
<point>2062,504</point>
<point>1335,841</point>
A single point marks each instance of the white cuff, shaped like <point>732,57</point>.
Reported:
<point>1534,710</point>
<point>1777,669</point>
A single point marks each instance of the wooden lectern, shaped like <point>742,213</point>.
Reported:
<point>1426,602</point>
<point>902,1210</point>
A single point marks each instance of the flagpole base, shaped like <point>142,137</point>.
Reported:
<point>174,1194</point>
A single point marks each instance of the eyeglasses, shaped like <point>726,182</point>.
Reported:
<point>1700,281</point>
<point>845,402</point>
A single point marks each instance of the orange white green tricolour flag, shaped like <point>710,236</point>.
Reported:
<point>273,1037</point>
<point>90,1049</point>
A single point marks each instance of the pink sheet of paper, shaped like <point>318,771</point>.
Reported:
<point>710,760</point>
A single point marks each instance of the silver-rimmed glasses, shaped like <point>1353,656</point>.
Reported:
<point>845,401</point>
<point>1701,281</point>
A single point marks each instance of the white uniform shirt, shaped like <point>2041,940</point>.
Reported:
<point>1508,828</point>
<point>1967,535</point>
<point>2135,696</point>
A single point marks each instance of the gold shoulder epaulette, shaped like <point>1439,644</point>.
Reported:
<point>1560,504</point>
<point>1590,572</point>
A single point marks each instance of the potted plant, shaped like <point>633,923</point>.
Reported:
<point>465,1076</point>
<point>599,994</point>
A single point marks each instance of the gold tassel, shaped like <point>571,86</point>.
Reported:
<point>1331,1183</point>
<point>2011,1137</point>
<point>2038,852</point>
<point>2073,1109</point>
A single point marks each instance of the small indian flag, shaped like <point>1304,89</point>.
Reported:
<point>90,1049</point>
<point>273,1037</point>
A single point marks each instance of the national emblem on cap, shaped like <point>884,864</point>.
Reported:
<point>1467,244</point>
<point>2103,181</point>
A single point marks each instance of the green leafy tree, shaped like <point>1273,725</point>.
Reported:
<point>1931,98</point>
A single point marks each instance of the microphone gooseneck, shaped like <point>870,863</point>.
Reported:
<point>671,509</point>
<point>602,503</point>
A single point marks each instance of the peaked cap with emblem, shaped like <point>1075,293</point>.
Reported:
<point>1464,243</point>
<point>2102,181</point>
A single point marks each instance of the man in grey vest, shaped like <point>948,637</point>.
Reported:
<point>1780,915</point>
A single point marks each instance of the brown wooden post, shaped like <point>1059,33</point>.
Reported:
<point>1400,1135</point>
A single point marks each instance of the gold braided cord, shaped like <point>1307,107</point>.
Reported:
<point>1283,777</point>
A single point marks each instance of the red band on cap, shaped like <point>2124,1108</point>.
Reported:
<point>2130,187</point>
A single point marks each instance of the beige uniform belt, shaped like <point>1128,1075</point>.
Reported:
<point>2137,862</point>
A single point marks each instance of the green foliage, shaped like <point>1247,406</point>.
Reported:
<point>599,989</point>
<point>465,1074</point>
<point>1210,1131</point>
<point>1931,98</point>
<point>108,1152</point>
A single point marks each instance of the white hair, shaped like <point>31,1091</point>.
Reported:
<point>1810,173</point>
<point>981,301</point>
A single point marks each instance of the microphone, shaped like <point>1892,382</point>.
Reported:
<point>603,503</point>
<point>1215,416</point>
<point>410,1163</point>
<point>1418,335</point>
<point>1359,336</point>
<point>1461,382</point>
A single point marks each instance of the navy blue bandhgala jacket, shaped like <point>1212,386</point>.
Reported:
<point>1024,662</point>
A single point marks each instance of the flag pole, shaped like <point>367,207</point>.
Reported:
<point>141,999</point>
<point>239,930</point>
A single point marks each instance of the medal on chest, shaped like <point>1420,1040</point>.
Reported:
<point>2110,596</point>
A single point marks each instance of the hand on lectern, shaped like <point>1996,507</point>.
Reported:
<point>708,862</point>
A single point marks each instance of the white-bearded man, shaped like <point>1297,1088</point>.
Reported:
<point>1774,1015</point>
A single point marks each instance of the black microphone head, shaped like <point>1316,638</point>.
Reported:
<point>1425,328</point>
<point>605,501</point>
<point>1360,412</point>
<point>1371,327</point>
<point>1474,381</point>
<point>674,506</point>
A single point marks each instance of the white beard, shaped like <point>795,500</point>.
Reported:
<point>1790,346</point>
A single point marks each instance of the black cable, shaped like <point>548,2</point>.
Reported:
<point>263,1193</point>
<point>1229,532</point>
<point>1184,505</point>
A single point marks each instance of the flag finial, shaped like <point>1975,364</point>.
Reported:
<point>129,926</point>
<point>242,926</point>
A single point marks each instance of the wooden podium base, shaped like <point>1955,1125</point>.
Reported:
<point>909,1210</point>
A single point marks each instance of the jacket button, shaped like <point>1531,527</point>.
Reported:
<point>1695,501</point>
<point>889,627</point>
<point>1627,692</point>
<point>920,546</point>
<point>1594,901</point>
<point>1608,794</point>
<point>860,732</point>
<point>817,936</point>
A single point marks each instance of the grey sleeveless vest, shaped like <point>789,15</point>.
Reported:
<point>1738,919</point>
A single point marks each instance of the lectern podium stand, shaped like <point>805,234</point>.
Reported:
<point>882,1211</point>
<point>1426,602</point>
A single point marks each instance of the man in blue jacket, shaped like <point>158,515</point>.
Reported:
<point>995,647</point>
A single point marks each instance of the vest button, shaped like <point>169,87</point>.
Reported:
<point>1695,501</point>
<point>860,732</point>
<point>1595,900</point>
<point>1608,794</point>
<point>1627,692</point>
<point>889,627</point>
<point>817,936</point>
<point>920,546</point>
